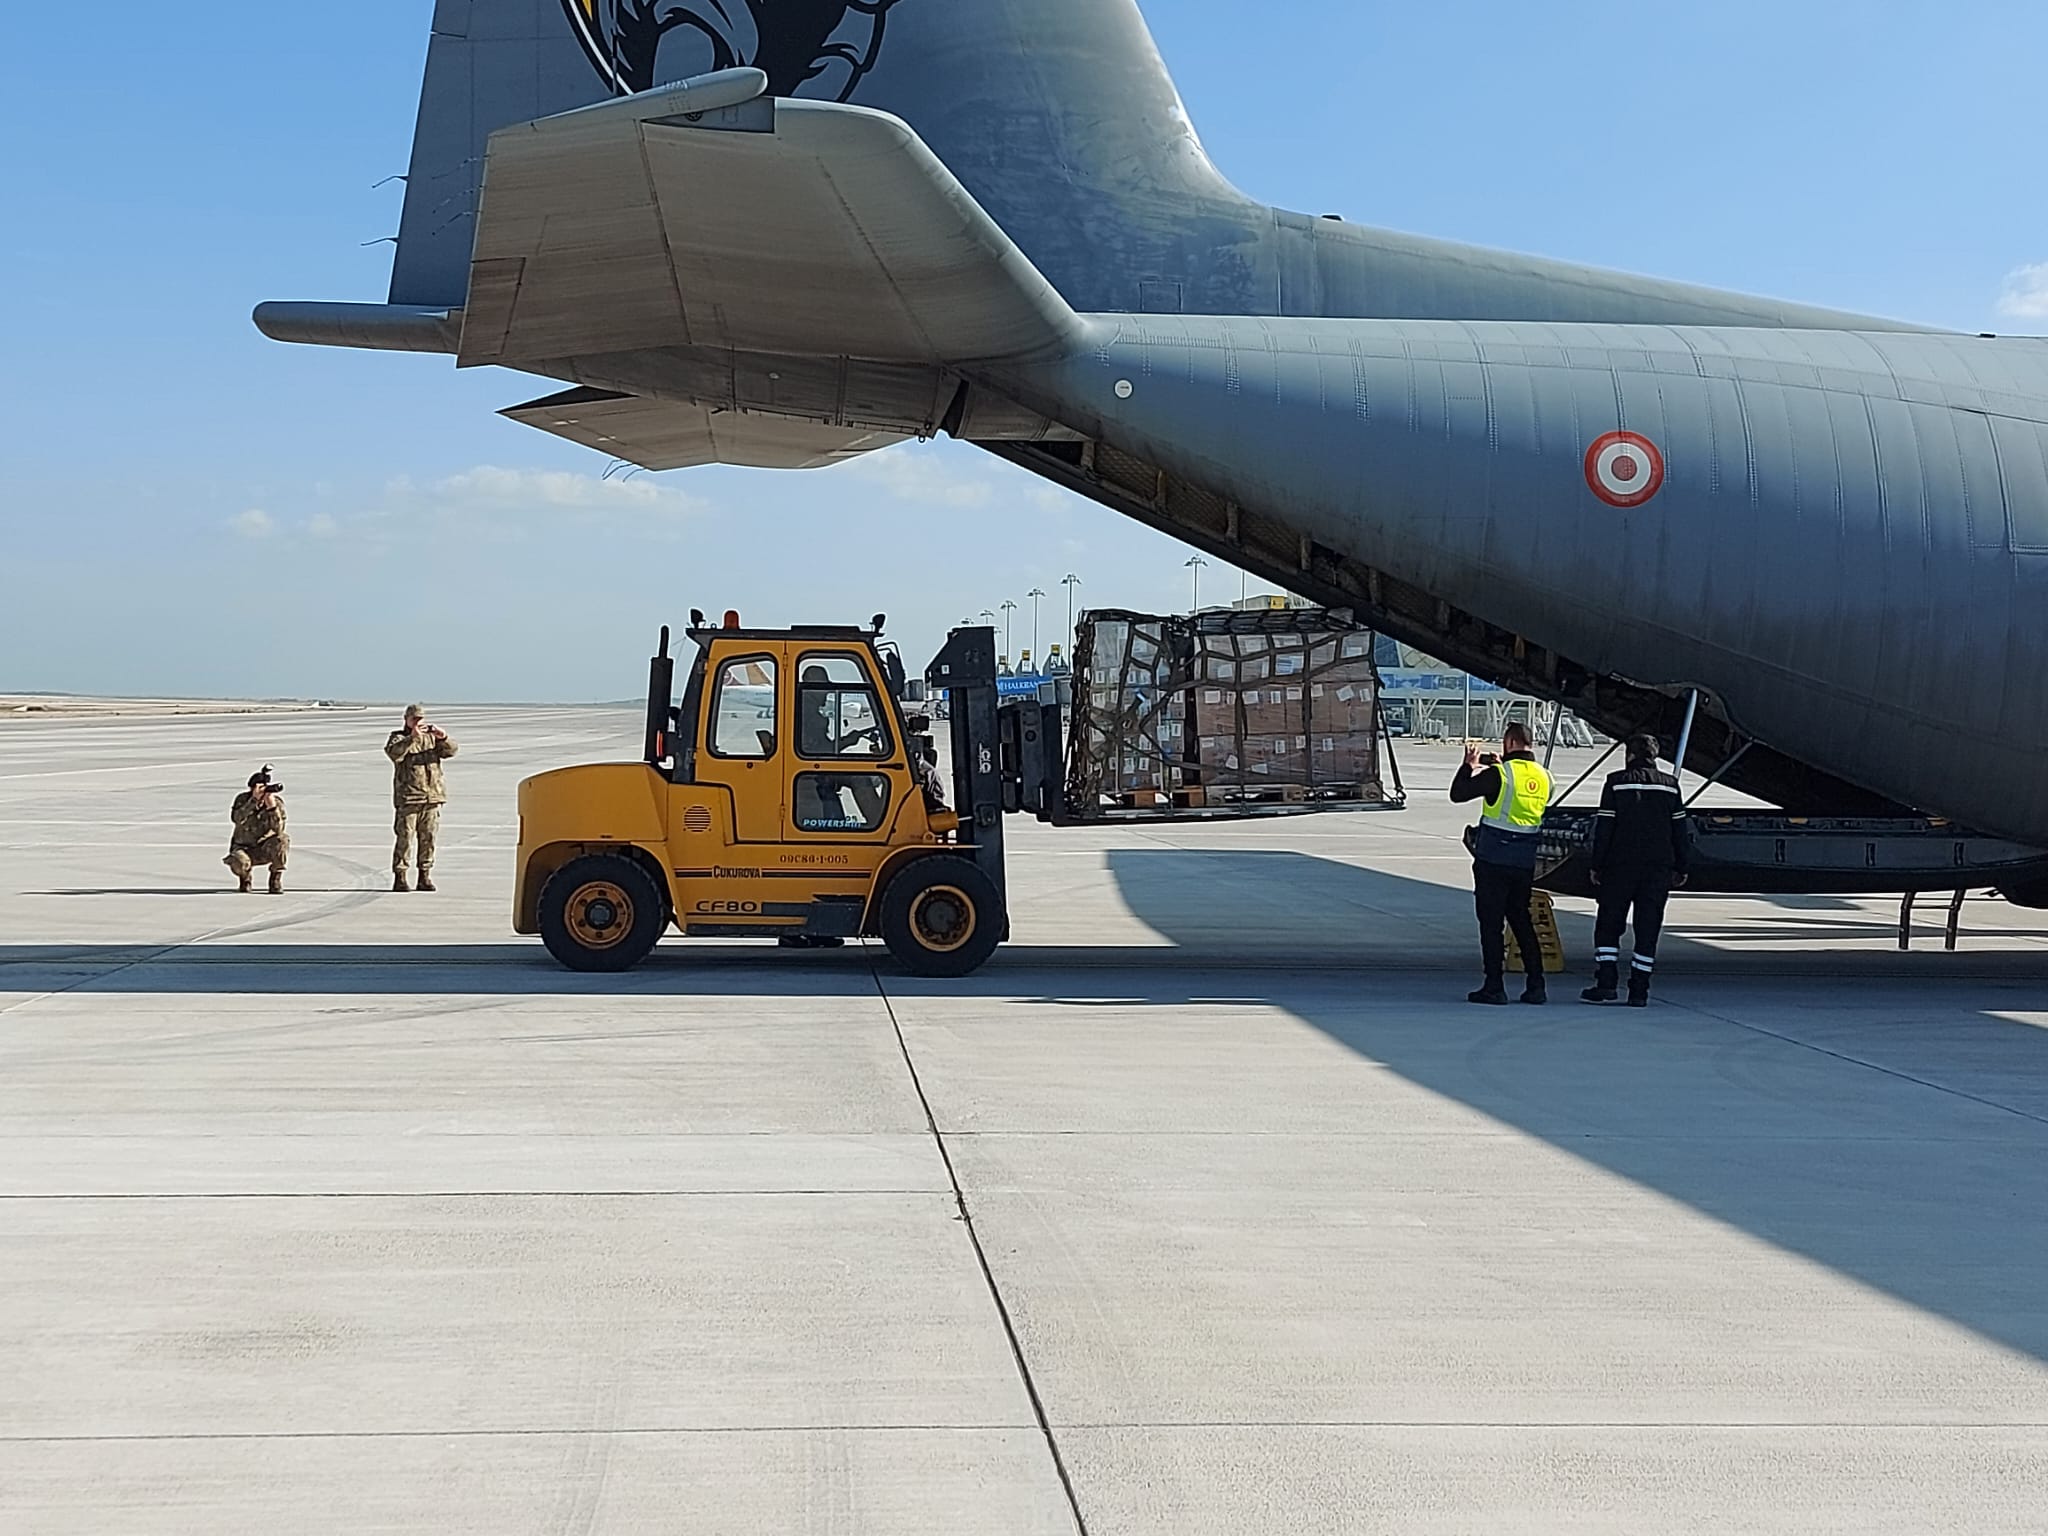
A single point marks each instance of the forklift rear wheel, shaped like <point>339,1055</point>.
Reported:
<point>942,917</point>
<point>601,913</point>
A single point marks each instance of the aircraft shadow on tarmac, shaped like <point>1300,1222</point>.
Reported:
<point>1817,1113</point>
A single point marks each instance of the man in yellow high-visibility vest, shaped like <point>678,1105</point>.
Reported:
<point>1516,792</point>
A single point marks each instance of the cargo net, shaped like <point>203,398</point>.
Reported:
<point>1222,708</point>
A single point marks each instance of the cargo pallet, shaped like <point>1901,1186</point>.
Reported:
<point>1151,805</point>
<point>1188,698</point>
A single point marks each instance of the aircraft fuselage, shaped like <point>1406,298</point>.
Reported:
<point>1843,538</point>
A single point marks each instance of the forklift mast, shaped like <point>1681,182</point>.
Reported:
<point>966,670</point>
<point>1006,753</point>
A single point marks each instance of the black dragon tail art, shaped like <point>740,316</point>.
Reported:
<point>795,42</point>
<point>803,39</point>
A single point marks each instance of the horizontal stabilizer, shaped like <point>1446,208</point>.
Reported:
<point>667,434</point>
<point>788,227</point>
<point>368,327</point>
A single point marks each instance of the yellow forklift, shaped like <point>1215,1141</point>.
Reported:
<point>790,796</point>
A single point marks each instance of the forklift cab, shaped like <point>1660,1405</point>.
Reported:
<point>783,797</point>
<point>799,735</point>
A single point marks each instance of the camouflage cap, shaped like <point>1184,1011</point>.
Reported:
<point>415,711</point>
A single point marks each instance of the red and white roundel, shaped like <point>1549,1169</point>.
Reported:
<point>1624,469</point>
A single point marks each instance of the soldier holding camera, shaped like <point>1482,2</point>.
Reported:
<point>1504,845</point>
<point>417,750</point>
<point>259,836</point>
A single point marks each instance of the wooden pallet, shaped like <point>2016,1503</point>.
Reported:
<point>1260,794</point>
<point>1223,802</point>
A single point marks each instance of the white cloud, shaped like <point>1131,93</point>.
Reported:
<point>923,477</point>
<point>508,505</point>
<point>526,491</point>
<point>2026,293</point>
<point>495,505</point>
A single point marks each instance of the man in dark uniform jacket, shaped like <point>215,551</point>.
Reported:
<point>1641,840</point>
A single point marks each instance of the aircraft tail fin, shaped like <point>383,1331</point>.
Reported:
<point>1057,116</point>
<point>489,63</point>
<point>1059,119</point>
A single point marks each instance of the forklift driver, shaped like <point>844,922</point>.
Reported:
<point>828,727</point>
<point>823,720</point>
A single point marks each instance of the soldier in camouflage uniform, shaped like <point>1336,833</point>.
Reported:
<point>417,751</point>
<point>259,836</point>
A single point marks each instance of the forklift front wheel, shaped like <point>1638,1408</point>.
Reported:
<point>941,917</point>
<point>601,913</point>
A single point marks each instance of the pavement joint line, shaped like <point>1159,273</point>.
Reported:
<point>1857,1061</point>
<point>988,1274</point>
<point>425,1136</point>
<point>1305,1426</point>
<point>484,1194</point>
<point>570,1432</point>
<point>1460,1135</point>
<point>1554,1424</point>
<point>1565,1140</point>
<point>1882,969</point>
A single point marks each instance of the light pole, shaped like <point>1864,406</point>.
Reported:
<point>1070,581</point>
<point>1035,594</point>
<point>1009,609</point>
<point>1195,564</point>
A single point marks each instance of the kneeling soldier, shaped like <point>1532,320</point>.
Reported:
<point>259,837</point>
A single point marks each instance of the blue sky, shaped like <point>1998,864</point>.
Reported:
<point>187,508</point>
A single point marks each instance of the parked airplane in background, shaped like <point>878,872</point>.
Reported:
<point>995,220</point>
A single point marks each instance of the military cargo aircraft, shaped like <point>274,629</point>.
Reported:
<point>785,234</point>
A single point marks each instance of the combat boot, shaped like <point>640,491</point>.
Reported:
<point>242,883</point>
<point>426,882</point>
<point>276,882</point>
<point>1536,993</point>
<point>1493,994</point>
<point>398,881</point>
<point>1606,983</point>
<point>1639,989</point>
